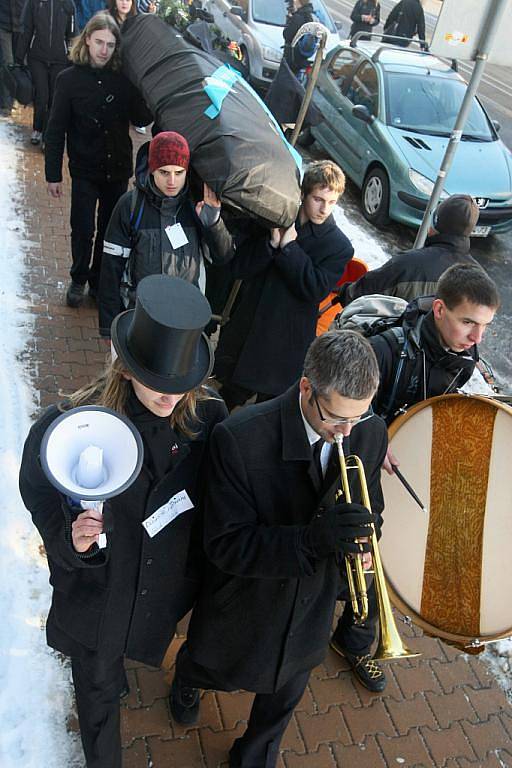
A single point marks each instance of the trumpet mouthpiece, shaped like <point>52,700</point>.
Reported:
<point>338,438</point>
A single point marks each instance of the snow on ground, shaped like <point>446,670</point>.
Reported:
<point>35,686</point>
<point>363,240</point>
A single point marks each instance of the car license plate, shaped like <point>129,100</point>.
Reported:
<point>480,232</point>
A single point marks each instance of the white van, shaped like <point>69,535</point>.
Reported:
<point>257,26</point>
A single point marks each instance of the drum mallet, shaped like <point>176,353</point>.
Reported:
<point>408,487</point>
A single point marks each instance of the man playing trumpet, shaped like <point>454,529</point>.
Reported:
<point>276,530</point>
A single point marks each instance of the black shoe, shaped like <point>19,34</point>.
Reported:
<point>367,671</point>
<point>184,703</point>
<point>93,292</point>
<point>75,295</point>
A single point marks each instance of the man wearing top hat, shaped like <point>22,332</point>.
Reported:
<point>274,534</point>
<point>126,598</point>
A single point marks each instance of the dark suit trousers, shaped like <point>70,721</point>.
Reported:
<point>270,713</point>
<point>43,78</point>
<point>85,196</point>
<point>97,702</point>
<point>357,638</point>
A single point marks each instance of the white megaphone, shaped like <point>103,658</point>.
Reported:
<point>91,454</point>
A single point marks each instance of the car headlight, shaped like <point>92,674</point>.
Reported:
<point>423,184</point>
<point>272,54</point>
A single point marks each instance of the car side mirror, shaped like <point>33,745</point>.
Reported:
<point>497,125</point>
<point>237,10</point>
<point>363,113</point>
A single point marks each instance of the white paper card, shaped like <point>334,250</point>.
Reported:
<point>176,235</point>
<point>176,505</point>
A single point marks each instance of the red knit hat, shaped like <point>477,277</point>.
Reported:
<point>168,148</point>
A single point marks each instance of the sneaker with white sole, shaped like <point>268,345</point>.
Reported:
<point>36,137</point>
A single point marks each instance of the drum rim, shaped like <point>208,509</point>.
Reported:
<point>464,642</point>
<point>396,424</point>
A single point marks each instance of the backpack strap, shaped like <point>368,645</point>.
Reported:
<point>136,210</point>
<point>397,340</point>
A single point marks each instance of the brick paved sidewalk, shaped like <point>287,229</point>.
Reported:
<point>442,710</point>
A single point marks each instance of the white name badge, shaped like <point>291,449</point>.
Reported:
<point>176,235</point>
<point>176,505</point>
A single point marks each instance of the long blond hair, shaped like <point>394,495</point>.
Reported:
<point>79,53</point>
<point>111,389</point>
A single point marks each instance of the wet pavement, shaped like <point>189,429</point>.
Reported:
<point>443,710</point>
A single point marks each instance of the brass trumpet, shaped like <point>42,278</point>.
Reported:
<point>390,644</point>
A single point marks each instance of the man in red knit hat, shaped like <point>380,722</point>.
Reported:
<point>156,229</point>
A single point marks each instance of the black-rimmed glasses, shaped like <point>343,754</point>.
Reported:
<point>342,419</point>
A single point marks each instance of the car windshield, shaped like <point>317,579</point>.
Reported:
<point>430,104</point>
<point>274,12</point>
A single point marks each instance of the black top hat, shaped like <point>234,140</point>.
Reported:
<point>161,340</point>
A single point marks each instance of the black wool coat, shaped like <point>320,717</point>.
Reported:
<point>128,598</point>
<point>265,609</point>
<point>91,114</point>
<point>263,346</point>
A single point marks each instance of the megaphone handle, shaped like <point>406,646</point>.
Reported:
<point>98,506</point>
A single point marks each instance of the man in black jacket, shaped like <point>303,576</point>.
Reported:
<point>261,350</point>
<point>441,334</point>
<point>416,272</point>
<point>274,532</point>
<point>48,28</point>
<point>406,20</point>
<point>91,113</point>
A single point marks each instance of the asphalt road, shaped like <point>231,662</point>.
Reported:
<point>493,253</point>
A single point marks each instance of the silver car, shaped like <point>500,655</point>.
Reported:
<point>257,26</point>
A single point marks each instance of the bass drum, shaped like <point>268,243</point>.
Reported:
<point>450,569</point>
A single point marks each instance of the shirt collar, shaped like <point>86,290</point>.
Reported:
<point>312,436</point>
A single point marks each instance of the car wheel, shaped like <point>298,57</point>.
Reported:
<point>375,197</point>
<point>246,64</point>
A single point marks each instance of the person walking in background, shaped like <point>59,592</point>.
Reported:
<point>155,228</point>
<point>120,10</point>
<point>365,16</point>
<point>91,113</point>
<point>303,14</point>
<point>10,13</point>
<point>406,20</point>
<point>86,9</point>
<point>47,30</point>
<point>146,6</point>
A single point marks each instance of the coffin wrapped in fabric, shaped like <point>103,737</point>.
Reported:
<point>237,147</point>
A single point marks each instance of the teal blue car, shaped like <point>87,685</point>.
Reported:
<point>388,115</point>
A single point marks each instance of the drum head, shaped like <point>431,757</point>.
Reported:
<point>450,569</point>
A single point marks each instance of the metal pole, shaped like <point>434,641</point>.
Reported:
<point>492,22</point>
<point>313,76</point>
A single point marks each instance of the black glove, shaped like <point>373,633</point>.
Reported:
<point>336,530</point>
